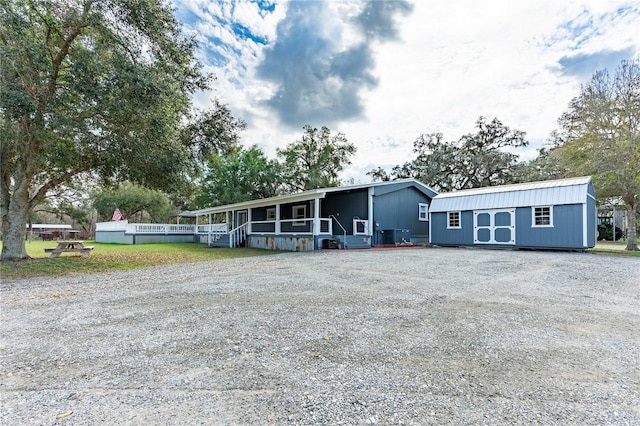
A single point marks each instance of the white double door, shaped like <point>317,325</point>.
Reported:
<point>494,226</point>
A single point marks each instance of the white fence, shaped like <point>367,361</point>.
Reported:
<point>214,228</point>
<point>145,228</point>
<point>306,226</point>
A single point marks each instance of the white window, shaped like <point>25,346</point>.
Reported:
<point>299,212</point>
<point>271,213</point>
<point>423,211</point>
<point>453,220</point>
<point>542,216</point>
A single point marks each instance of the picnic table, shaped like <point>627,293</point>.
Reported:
<point>69,247</point>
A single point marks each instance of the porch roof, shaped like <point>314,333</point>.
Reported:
<point>280,199</point>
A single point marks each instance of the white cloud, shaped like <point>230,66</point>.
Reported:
<point>453,62</point>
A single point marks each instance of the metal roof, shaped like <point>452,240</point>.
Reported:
<point>551,192</point>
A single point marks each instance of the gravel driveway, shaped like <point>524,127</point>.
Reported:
<point>406,336</point>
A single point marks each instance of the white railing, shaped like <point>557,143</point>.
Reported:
<point>297,226</point>
<point>218,229</point>
<point>145,228</point>
<point>344,231</point>
<point>214,228</point>
<point>120,225</point>
<point>238,235</point>
<point>159,228</point>
<point>360,227</point>
<point>326,227</point>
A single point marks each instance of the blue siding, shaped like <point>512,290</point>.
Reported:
<point>120,237</point>
<point>592,227</point>
<point>345,206</point>
<point>399,210</point>
<point>440,235</point>
<point>565,233</point>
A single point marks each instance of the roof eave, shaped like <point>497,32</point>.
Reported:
<point>280,199</point>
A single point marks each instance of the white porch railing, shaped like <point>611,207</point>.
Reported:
<point>326,227</point>
<point>214,228</point>
<point>295,226</point>
<point>145,228</point>
<point>360,227</point>
<point>159,228</point>
<point>120,225</point>
<point>238,235</point>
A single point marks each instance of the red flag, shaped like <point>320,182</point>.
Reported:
<point>116,215</point>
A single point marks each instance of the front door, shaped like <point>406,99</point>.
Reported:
<point>243,217</point>
<point>494,226</point>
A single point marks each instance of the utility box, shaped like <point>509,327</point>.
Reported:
<point>395,236</point>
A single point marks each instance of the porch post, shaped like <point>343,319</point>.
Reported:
<point>277,219</point>
<point>209,230</point>
<point>370,212</point>
<point>248,221</point>
<point>316,217</point>
<point>233,223</point>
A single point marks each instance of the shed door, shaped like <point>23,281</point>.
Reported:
<point>494,226</point>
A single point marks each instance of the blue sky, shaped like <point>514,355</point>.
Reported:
<point>384,72</point>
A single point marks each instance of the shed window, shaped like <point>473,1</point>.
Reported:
<point>299,212</point>
<point>542,216</point>
<point>453,220</point>
<point>271,213</point>
<point>423,211</point>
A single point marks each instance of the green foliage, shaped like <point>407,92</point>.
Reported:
<point>543,167</point>
<point>211,133</point>
<point>599,135</point>
<point>100,86</point>
<point>316,160</point>
<point>133,200</point>
<point>237,177</point>
<point>480,159</point>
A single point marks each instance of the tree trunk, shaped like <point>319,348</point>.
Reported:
<point>632,237</point>
<point>14,226</point>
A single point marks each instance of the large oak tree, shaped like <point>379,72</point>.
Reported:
<point>599,135</point>
<point>91,86</point>
<point>316,160</point>
<point>239,176</point>
<point>484,158</point>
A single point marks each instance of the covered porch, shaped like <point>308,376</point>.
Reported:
<point>296,222</point>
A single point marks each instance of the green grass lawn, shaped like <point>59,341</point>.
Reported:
<point>617,248</point>
<point>116,257</point>
<point>119,257</point>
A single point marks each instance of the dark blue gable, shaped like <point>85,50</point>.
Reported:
<point>400,210</point>
<point>345,206</point>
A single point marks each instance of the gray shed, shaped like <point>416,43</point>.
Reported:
<point>555,214</point>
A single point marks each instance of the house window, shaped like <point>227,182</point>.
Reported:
<point>542,216</point>
<point>299,212</point>
<point>271,213</point>
<point>453,220</point>
<point>423,211</point>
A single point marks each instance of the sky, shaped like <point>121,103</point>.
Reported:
<point>385,72</point>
